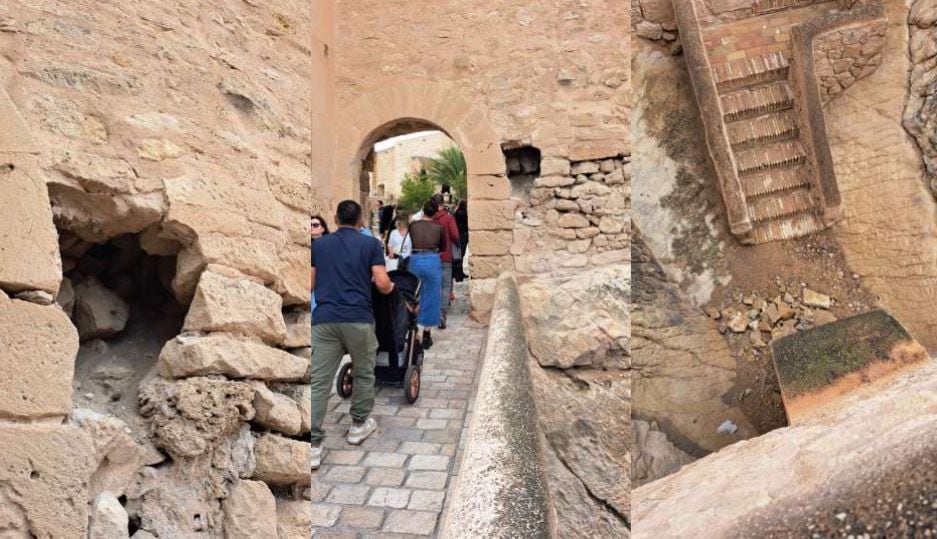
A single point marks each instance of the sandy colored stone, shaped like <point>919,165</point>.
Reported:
<point>491,242</point>
<point>228,355</point>
<point>66,297</point>
<point>492,215</point>
<point>249,511</point>
<point>108,520</point>
<point>38,347</point>
<point>654,456</point>
<point>292,281</point>
<point>298,329</point>
<point>236,306</point>
<point>294,519</point>
<point>44,471</point>
<point>275,411</point>
<point>490,187</point>
<point>487,267</point>
<point>302,395</point>
<point>99,312</point>
<point>282,461</point>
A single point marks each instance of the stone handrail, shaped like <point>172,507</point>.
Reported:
<point>707,98</point>
<point>501,490</point>
<point>810,107</point>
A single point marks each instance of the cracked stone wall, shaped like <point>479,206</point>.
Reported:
<point>920,115</point>
<point>186,124</point>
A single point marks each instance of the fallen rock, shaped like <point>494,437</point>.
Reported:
<point>275,411</point>
<point>816,299</point>
<point>738,322</point>
<point>298,329</point>
<point>250,511</point>
<point>823,317</point>
<point>99,312</point>
<point>191,417</point>
<point>187,356</point>
<point>109,520</point>
<point>785,311</point>
<point>653,455</point>
<point>236,306</point>
<point>66,297</point>
<point>282,461</point>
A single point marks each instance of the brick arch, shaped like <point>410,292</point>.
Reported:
<point>407,106</point>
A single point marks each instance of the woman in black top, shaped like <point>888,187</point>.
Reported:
<point>428,239</point>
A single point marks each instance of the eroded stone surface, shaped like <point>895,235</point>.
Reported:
<point>229,356</point>
<point>282,461</point>
<point>236,306</point>
<point>249,510</point>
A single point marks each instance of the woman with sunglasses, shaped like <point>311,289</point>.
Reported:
<point>318,229</point>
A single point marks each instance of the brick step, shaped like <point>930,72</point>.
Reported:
<point>766,157</point>
<point>750,71</point>
<point>749,103</point>
<point>766,128</point>
<point>775,181</point>
<point>787,228</point>
<point>781,205</point>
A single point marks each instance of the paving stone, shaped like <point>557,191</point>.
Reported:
<point>325,516</point>
<point>427,480</point>
<point>415,522</point>
<point>385,477</point>
<point>441,436</point>
<point>385,460</point>
<point>428,424</point>
<point>349,494</point>
<point>397,498</point>
<point>446,413</point>
<point>426,500</point>
<point>419,448</point>
<point>318,490</point>
<point>345,474</point>
<point>343,457</point>
<point>362,518</point>
<point>403,434</point>
<point>429,462</point>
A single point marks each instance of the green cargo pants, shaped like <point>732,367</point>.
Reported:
<point>329,343</point>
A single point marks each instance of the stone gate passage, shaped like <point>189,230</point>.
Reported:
<point>398,480</point>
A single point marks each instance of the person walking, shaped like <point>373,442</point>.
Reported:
<point>428,240</point>
<point>399,245</point>
<point>344,264</point>
<point>461,221</point>
<point>318,228</point>
<point>451,235</point>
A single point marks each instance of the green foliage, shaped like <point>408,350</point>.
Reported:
<point>415,190</point>
<point>448,169</point>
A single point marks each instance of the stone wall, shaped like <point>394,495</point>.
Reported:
<point>846,55</point>
<point>187,125</point>
<point>391,164</point>
<point>920,116</point>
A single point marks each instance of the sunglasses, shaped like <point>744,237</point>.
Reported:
<point>316,225</point>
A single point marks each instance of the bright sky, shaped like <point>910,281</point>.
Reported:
<point>384,144</point>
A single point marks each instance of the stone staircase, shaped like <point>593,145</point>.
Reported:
<point>758,112</point>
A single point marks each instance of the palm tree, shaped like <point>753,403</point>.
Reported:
<point>448,169</point>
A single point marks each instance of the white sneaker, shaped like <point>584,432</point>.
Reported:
<point>316,457</point>
<point>357,433</point>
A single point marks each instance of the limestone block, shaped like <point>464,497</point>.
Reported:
<point>554,181</point>
<point>99,312</point>
<point>237,306</point>
<point>282,461</point>
<point>572,220</point>
<point>250,511</point>
<point>66,297</point>
<point>15,136</point>
<point>492,215</point>
<point>298,328</point>
<point>275,411</point>
<point>597,149</point>
<point>29,251</point>
<point>486,267</point>
<point>302,395</point>
<point>293,277</point>
<point>256,257</point>
<point>38,347</point>
<point>491,242</point>
<point>481,298</point>
<point>553,166</point>
<point>294,519</point>
<point>109,520</point>
<point>233,357</point>
<point>489,187</point>
<point>44,471</point>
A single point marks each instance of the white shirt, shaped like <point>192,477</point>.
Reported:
<point>416,216</point>
<point>400,247</point>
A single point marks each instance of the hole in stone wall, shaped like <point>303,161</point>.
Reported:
<point>523,166</point>
<point>119,298</point>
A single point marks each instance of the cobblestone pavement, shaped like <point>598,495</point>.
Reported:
<point>396,483</point>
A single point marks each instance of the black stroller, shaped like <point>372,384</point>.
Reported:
<point>399,352</point>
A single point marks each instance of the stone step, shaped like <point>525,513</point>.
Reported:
<point>784,204</point>
<point>787,228</point>
<point>765,128</point>
<point>750,71</point>
<point>766,157</point>
<point>767,6</point>
<point>775,181</point>
<point>749,103</point>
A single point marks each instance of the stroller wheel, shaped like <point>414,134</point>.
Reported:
<point>412,383</point>
<point>344,382</point>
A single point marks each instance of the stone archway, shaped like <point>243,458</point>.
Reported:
<point>407,106</point>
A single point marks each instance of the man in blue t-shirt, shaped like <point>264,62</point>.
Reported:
<point>344,264</point>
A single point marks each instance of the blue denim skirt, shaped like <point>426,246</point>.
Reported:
<point>428,267</point>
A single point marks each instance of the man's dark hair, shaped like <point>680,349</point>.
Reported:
<point>348,213</point>
<point>438,199</point>
<point>430,208</point>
